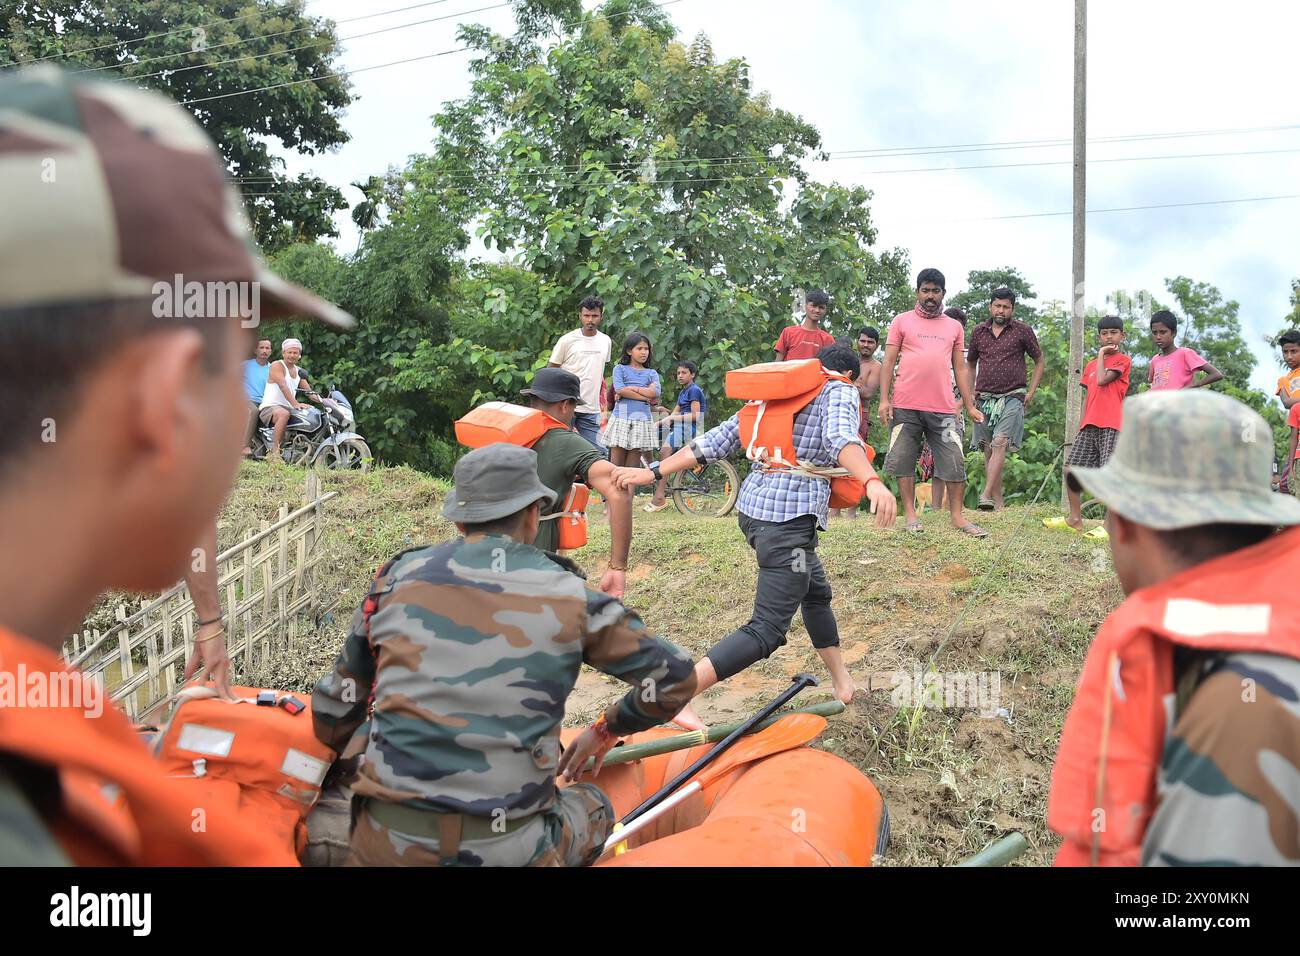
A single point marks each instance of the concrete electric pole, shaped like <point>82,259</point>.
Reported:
<point>1073,395</point>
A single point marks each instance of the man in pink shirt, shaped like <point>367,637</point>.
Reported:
<point>920,402</point>
<point>1175,367</point>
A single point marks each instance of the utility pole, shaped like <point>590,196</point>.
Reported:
<point>1073,397</point>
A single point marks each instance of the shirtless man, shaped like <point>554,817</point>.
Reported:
<point>868,385</point>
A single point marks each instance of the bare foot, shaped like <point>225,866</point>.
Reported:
<point>1076,524</point>
<point>688,719</point>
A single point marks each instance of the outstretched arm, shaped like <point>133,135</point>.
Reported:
<point>618,505</point>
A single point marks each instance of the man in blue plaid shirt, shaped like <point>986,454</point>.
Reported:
<point>780,514</point>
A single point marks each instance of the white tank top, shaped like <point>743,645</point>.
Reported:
<point>273,395</point>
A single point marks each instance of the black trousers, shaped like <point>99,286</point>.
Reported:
<point>790,578</point>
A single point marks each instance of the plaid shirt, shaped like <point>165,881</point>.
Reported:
<point>821,431</point>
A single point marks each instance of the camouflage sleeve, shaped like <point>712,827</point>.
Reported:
<point>662,674</point>
<point>341,697</point>
<point>1230,774</point>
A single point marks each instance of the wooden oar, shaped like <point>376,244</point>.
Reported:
<point>790,731</point>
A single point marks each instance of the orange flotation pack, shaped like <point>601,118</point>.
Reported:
<point>774,393</point>
<point>117,807</point>
<point>494,422</point>
<point>257,755</point>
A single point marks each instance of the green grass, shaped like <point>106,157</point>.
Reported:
<point>1023,602</point>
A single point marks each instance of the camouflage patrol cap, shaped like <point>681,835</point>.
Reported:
<point>494,482</point>
<point>108,190</point>
<point>1190,457</point>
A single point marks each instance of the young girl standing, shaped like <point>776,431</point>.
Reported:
<point>631,430</point>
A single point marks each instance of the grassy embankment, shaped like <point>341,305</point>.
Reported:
<point>1022,603</point>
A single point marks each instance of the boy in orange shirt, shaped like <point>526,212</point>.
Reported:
<point>1288,386</point>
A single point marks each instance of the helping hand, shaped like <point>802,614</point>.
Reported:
<point>590,743</point>
<point>883,503</point>
<point>614,583</point>
<point>210,651</point>
<point>626,478</point>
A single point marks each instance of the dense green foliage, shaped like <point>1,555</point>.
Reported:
<point>197,49</point>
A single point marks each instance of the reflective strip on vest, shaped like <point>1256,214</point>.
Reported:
<point>1199,619</point>
<point>205,740</point>
<point>304,767</point>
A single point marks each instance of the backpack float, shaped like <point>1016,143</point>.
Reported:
<point>494,422</point>
<point>774,393</point>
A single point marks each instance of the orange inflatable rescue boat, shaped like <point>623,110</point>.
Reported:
<point>799,807</point>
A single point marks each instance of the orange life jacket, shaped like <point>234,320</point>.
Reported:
<point>494,422</point>
<point>1104,781</point>
<point>775,392</point>
<point>262,762</point>
<point>118,806</point>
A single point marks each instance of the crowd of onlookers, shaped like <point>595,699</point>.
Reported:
<point>935,372</point>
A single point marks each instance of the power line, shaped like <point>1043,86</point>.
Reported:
<point>305,46</point>
<point>153,36</point>
<point>907,151</point>
<point>1165,205</point>
<point>874,172</point>
<point>268,36</point>
<point>380,66</point>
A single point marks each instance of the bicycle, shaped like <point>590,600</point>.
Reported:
<point>705,491</point>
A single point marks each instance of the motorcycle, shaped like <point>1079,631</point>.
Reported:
<point>325,435</point>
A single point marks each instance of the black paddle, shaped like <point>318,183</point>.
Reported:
<point>798,683</point>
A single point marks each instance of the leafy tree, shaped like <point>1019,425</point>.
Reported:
<point>619,162</point>
<point>366,213</point>
<point>401,367</point>
<point>1291,320</point>
<point>980,284</point>
<point>201,50</point>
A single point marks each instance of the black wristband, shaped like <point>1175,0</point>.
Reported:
<point>213,621</point>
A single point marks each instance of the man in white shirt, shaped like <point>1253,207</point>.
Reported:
<point>585,352</point>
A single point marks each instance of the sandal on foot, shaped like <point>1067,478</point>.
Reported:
<point>1059,523</point>
<point>1097,534</point>
<point>915,527</point>
<point>651,507</point>
<point>974,530</point>
<point>986,504</point>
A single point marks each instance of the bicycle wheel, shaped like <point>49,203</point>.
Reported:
<point>706,491</point>
<point>1093,508</point>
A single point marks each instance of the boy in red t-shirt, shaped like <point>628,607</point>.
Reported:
<point>805,340</point>
<point>1106,379</point>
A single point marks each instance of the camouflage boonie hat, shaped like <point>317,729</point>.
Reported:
<point>1190,457</point>
<point>494,482</point>
<point>107,189</point>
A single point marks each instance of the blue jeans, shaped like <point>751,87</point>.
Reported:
<point>587,424</point>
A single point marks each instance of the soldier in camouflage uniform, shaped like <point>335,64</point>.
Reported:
<point>1182,746</point>
<point>462,657</point>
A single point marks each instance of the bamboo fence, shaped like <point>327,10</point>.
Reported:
<point>268,592</point>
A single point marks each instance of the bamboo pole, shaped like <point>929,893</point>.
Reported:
<point>999,853</point>
<point>664,745</point>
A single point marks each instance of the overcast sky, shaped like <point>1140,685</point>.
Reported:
<point>877,74</point>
